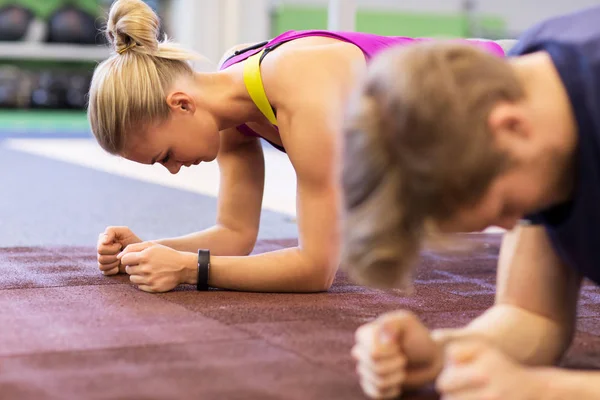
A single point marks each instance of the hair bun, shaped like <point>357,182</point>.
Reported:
<point>131,24</point>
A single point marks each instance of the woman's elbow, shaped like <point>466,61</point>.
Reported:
<point>247,241</point>
<point>322,275</point>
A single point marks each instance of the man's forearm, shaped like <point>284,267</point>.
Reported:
<point>566,385</point>
<point>526,337</point>
<point>220,240</point>
<point>286,270</point>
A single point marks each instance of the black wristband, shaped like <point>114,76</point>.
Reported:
<point>203,269</point>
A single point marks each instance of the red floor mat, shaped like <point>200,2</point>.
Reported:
<point>66,331</point>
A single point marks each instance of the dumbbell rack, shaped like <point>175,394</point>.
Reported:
<point>52,52</point>
<point>61,82</point>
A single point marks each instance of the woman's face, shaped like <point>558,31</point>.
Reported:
<point>184,139</point>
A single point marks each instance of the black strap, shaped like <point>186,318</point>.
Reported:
<point>203,269</point>
<point>254,47</point>
<point>245,49</point>
<point>270,49</point>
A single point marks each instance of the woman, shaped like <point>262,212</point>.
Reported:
<point>148,105</point>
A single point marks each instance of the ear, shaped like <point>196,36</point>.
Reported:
<point>508,121</point>
<point>181,102</point>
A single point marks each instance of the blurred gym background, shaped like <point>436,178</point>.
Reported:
<point>48,48</point>
<point>59,187</point>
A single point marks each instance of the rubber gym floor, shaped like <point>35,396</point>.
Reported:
<point>67,332</point>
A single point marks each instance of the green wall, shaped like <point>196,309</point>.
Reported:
<point>44,8</point>
<point>390,23</point>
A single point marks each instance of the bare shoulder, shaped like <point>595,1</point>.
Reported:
<point>311,68</point>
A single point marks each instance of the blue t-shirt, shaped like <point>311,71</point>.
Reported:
<point>573,42</point>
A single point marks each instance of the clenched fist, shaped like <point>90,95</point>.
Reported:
<point>394,352</point>
<point>110,243</point>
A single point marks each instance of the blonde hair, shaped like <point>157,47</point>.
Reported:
<point>418,149</point>
<point>129,88</point>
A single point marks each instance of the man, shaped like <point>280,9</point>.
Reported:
<point>444,138</point>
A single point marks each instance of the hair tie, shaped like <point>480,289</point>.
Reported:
<point>124,49</point>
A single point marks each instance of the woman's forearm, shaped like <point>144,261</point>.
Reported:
<point>566,385</point>
<point>288,270</point>
<point>526,337</point>
<point>220,240</point>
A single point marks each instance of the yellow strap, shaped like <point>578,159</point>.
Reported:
<point>255,87</point>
